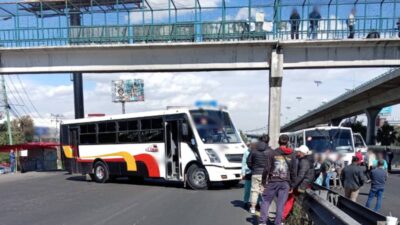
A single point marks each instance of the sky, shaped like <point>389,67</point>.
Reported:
<point>245,93</point>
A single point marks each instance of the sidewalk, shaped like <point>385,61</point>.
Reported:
<point>11,177</point>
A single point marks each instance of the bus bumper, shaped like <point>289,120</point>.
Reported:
<point>223,174</point>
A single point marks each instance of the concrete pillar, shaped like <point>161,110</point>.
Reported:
<point>75,20</point>
<point>275,93</point>
<point>371,114</point>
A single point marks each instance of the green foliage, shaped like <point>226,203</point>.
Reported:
<point>357,127</point>
<point>386,135</point>
<point>22,131</point>
<point>4,157</point>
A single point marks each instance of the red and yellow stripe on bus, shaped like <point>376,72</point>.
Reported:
<point>130,160</point>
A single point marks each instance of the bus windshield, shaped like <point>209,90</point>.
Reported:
<point>335,140</point>
<point>214,126</point>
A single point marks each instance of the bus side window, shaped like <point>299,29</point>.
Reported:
<point>88,134</point>
<point>107,133</point>
<point>152,130</point>
<point>299,141</point>
<point>128,131</point>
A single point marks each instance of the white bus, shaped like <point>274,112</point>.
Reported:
<point>196,146</point>
<point>338,140</point>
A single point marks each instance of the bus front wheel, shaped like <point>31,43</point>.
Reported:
<point>197,177</point>
<point>101,173</point>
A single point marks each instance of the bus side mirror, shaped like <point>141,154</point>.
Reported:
<point>185,129</point>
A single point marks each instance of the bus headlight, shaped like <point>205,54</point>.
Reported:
<point>214,158</point>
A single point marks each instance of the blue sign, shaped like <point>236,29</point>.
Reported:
<point>208,103</point>
<point>387,111</point>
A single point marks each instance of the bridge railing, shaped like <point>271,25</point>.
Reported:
<point>236,30</point>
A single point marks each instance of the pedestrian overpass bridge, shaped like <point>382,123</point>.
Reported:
<point>76,36</point>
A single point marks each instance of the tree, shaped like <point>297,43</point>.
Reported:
<point>357,127</point>
<point>22,131</point>
<point>386,134</point>
<point>243,136</point>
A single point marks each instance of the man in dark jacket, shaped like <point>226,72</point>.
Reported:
<point>353,179</point>
<point>378,180</point>
<point>256,163</point>
<point>278,179</point>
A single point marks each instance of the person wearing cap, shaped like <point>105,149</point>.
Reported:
<point>304,177</point>
<point>246,173</point>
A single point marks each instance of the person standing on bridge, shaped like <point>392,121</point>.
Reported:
<point>314,18</point>
<point>294,24</point>
<point>378,180</point>
<point>353,179</point>
<point>256,162</point>
<point>398,26</point>
<point>278,178</point>
<point>351,22</point>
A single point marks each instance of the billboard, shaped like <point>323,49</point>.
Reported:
<point>127,90</point>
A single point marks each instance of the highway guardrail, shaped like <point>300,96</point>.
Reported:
<point>394,149</point>
<point>354,210</point>
<point>322,212</point>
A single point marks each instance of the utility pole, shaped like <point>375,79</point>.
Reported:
<point>57,118</point>
<point>7,110</point>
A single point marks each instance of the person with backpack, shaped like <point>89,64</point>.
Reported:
<point>256,163</point>
<point>278,179</point>
<point>304,177</point>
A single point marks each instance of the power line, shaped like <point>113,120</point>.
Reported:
<point>29,99</point>
<point>16,100</point>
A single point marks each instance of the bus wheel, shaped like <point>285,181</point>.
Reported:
<point>101,173</point>
<point>197,177</point>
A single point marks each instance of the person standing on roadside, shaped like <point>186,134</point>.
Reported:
<point>351,20</point>
<point>12,161</point>
<point>294,24</point>
<point>303,180</point>
<point>246,174</point>
<point>278,178</point>
<point>339,166</point>
<point>327,169</point>
<point>360,157</point>
<point>256,163</point>
<point>380,158</point>
<point>378,180</point>
<point>353,179</point>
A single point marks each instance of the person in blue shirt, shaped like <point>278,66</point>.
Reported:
<point>378,181</point>
<point>12,161</point>
<point>246,175</point>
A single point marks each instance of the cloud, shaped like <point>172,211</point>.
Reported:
<point>245,93</point>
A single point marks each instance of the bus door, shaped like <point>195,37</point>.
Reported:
<point>74,143</point>
<point>173,139</point>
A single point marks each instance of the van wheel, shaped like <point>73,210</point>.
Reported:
<point>197,177</point>
<point>101,173</point>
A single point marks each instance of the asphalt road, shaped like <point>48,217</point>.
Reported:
<point>56,198</point>
<point>391,196</point>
